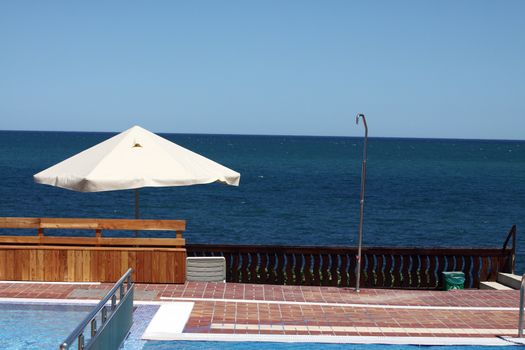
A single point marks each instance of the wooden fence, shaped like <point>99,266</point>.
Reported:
<point>43,257</point>
<point>382,267</point>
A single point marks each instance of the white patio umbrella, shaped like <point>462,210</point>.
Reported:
<point>133,159</point>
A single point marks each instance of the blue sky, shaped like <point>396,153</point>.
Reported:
<point>415,68</point>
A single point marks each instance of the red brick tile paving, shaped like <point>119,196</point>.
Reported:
<point>241,317</point>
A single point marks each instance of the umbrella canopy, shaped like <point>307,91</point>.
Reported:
<point>133,159</point>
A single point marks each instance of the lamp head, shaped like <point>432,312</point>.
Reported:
<point>357,117</point>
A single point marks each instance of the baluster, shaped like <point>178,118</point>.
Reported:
<point>389,277</point>
<point>468,271</point>
<point>343,270</point>
<point>476,271</point>
<point>423,271</point>
<point>494,268</point>
<point>317,269</point>
<point>298,269</point>
<point>334,270</point>
<point>263,272</point>
<point>93,328</point>
<point>380,274</point>
<point>272,275</point>
<point>234,274</point>
<point>396,271</point>
<point>325,276</point>
<point>80,341</point>
<point>368,278</point>
<point>289,269</point>
<point>254,267</point>
<point>281,278</point>
<point>351,268</point>
<point>441,267</point>
<point>414,271</point>
<point>244,267</point>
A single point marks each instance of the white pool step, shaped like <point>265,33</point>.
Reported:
<point>493,285</point>
<point>509,280</point>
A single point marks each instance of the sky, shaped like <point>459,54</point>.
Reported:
<point>444,69</point>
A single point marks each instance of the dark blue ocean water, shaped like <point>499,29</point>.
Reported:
<point>300,190</point>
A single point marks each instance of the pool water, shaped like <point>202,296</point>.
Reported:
<point>38,326</point>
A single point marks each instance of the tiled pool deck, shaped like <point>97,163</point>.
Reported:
<point>229,308</point>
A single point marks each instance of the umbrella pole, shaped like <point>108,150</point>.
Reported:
<point>137,209</point>
<point>362,202</point>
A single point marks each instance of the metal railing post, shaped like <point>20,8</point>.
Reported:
<point>362,202</point>
<point>522,292</point>
<point>102,307</point>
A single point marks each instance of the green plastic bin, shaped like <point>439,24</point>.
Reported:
<point>453,280</point>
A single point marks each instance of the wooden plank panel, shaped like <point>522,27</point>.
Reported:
<point>132,262</point>
<point>139,267</point>
<point>180,267</point>
<point>109,224</point>
<point>51,262</point>
<point>70,275</point>
<point>86,266</point>
<point>40,268</point>
<point>168,266</point>
<point>94,241</point>
<point>13,222</point>
<point>10,265</point>
<point>123,262</point>
<point>3,265</point>
<point>171,266</point>
<point>78,266</point>
<point>21,265</point>
<point>32,264</point>
<point>155,267</point>
<point>148,267</point>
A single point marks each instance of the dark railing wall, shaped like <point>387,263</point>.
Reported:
<point>382,267</point>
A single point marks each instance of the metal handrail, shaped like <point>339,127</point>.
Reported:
<point>522,292</point>
<point>90,319</point>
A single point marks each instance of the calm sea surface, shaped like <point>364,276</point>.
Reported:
<point>300,190</point>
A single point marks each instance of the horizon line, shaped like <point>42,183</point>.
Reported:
<point>274,135</point>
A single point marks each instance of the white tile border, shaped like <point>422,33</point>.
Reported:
<point>336,339</point>
<point>380,330</point>
<point>374,306</point>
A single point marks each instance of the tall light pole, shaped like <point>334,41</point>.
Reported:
<point>362,201</point>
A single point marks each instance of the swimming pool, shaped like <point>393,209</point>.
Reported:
<point>44,326</point>
<point>38,326</point>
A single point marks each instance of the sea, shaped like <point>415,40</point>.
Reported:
<point>300,190</point>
